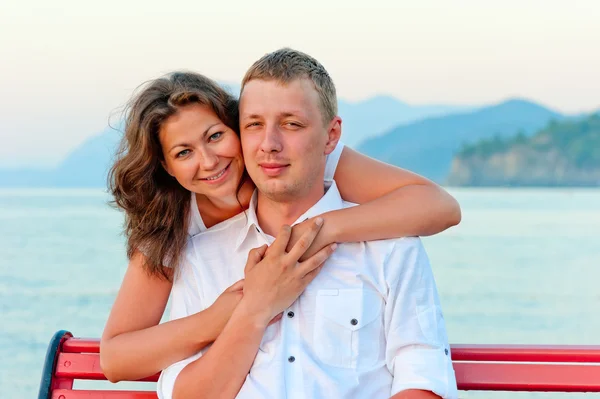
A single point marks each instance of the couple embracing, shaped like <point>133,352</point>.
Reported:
<point>289,259</point>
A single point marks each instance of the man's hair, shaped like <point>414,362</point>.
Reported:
<point>286,65</point>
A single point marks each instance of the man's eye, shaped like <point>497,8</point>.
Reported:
<point>182,153</point>
<point>293,124</point>
<point>252,124</point>
<point>215,136</point>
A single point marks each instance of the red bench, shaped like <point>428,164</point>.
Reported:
<point>478,368</point>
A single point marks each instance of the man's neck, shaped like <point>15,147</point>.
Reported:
<point>272,214</point>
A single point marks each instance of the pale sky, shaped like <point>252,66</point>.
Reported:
<point>66,65</point>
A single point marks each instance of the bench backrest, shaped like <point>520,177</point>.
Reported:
<point>477,367</point>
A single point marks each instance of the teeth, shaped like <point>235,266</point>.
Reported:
<point>217,176</point>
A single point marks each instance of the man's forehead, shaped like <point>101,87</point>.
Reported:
<point>262,95</point>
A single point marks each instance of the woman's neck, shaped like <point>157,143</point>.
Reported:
<point>216,210</point>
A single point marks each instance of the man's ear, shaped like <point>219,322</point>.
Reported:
<point>334,132</point>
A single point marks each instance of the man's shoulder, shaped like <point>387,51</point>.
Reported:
<point>402,244</point>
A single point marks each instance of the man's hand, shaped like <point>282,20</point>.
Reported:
<point>276,278</point>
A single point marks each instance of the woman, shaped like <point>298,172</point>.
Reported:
<point>161,213</point>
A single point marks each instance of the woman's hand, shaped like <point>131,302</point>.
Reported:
<point>223,307</point>
<point>275,278</point>
<point>320,241</point>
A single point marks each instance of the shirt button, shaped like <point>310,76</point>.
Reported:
<point>291,359</point>
<point>354,322</point>
<point>446,351</point>
<point>290,314</point>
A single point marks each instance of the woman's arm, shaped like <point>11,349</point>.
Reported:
<point>394,202</point>
<point>134,345</point>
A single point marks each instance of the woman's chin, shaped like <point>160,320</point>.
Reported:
<point>222,193</point>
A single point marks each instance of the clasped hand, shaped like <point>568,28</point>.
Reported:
<point>275,278</point>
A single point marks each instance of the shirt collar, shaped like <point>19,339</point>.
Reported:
<point>330,201</point>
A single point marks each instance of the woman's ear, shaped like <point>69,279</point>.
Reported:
<point>334,132</point>
<point>166,167</point>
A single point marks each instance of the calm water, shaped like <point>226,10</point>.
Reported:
<point>523,267</point>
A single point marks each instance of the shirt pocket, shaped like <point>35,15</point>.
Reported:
<point>348,327</point>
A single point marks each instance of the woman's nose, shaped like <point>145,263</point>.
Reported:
<point>210,160</point>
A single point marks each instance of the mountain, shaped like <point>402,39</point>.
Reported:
<point>376,115</point>
<point>85,166</point>
<point>428,147</point>
<point>562,154</point>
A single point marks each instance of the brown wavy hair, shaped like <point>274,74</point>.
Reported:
<point>156,206</point>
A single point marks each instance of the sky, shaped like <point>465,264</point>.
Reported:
<point>66,67</point>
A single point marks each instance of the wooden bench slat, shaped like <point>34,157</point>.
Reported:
<point>527,353</point>
<point>90,394</point>
<point>84,366</point>
<point>550,377</point>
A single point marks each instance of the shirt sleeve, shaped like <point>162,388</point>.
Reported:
<point>166,381</point>
<point>332,161</point>
<point>417,350</point>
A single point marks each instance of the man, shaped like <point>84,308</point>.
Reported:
<point>368,326</point>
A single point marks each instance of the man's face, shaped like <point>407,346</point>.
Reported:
<point>284,138</point>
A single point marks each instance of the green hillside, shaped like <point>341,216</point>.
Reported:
<point>429,146</point>
<point>563,153</point>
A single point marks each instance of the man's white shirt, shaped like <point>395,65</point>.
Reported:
<point>370,324</point>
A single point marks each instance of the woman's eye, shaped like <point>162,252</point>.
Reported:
<point>182,153</point>
<point>215,136</point>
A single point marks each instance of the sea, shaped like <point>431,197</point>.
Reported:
<point>523,267</point>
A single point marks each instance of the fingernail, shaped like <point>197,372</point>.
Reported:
<point>319,221</point>
<point>333,246</point>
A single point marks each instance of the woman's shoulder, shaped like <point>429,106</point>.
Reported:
<point>195,223</point>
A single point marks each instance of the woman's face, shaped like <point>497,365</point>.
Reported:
<point>201,152</point>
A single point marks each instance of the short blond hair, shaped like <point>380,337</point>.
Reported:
<point>286,65</point>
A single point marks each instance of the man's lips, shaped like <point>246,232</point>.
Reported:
<point>272,168</point>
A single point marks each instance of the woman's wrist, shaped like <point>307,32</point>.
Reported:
<point>211,329</point>
<point>329,233</point>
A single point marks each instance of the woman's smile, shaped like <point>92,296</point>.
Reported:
<point>218,177</point>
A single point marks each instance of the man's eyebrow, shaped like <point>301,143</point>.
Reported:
<point>251,116</point>
<point>189,145</point>
<point>290,113</point>
<point>281,115</point>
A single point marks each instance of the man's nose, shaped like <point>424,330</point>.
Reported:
<point>271,140</point>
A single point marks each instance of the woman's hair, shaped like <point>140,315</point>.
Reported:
<point>156,206</point>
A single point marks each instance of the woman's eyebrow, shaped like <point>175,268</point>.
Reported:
<point>185,144</point>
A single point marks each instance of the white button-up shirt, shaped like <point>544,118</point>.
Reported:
<point>368,326</point>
